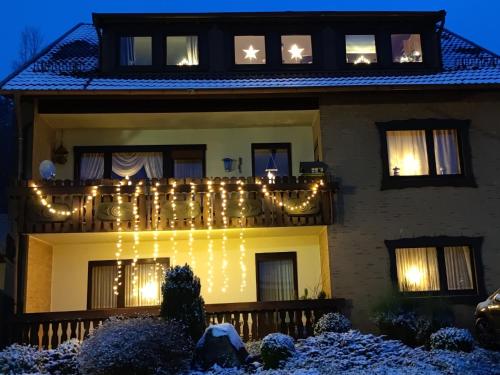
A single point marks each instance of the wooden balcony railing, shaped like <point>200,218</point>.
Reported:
<point>93,206</point>
<point>252,320</point>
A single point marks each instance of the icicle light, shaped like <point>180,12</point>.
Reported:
<point>173,231</point>
<point>225,279</point>
<point>135,246</point>
<point>192,197</point>
<point>210,271</point>
<point>119,240</point>
<point>241,205</point>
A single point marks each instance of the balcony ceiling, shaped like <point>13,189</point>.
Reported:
<point>192,120</point>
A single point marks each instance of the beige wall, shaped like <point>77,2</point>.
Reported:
<point>221,143</point>
<point>70,264</point>
<point>39,276</point>
<point>366,216</point>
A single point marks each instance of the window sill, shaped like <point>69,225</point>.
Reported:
<point>462,297</point>
<point>401,182</point>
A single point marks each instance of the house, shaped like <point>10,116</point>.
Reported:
<point>175,139</point>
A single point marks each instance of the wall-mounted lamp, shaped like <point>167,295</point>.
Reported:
<point>229,164</point>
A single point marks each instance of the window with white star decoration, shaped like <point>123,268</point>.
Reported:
<point>249,49</point>
<point>296,49</point>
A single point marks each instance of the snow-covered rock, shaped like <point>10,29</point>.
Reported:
<point>220,345</point>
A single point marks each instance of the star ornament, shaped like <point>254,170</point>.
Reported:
<point>296,52</point>
<point>251,53</point>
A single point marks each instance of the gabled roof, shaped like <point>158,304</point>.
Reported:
<point>71,64</point>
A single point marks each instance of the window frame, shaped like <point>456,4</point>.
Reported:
<point>316,54</point>
<point>135,68</point>
<point>474,243</point>
<point>120,301</point>
<point>464,179</point>
<point>250,32</point>
<point>201,52</point>
<point>286,145</point>
<point>168,165</point>
<point>286,255</point>
<point>378,44</point>
<point>408,65</point>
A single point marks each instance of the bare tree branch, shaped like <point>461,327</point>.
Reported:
<point>29,45</point>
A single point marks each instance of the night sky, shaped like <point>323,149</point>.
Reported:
<point>476,20</point>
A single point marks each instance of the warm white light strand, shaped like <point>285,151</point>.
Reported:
<point>173,231</point>
<point>225,279</point>
<point>192,258</point>
<point>119,242</point>
<point>241,205</point>
<point>210,271</point>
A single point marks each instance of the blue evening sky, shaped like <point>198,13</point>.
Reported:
<point>474,19</point>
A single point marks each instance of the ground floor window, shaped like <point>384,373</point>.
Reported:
<point>139,286</point>
<point>436,266</point>
<point>276,276</point>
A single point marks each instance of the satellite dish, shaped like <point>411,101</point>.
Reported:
<point>47,170</point>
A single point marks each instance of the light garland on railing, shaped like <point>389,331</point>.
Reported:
<point>210,271</point>
<point>243,268</point>
<point>51,209</point>
<point>225,280</point>
<point>192,197</point>
<point>307,201</point>
<point>173,232</point>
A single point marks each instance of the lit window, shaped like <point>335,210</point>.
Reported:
<point>271,158</point>
<point>135,50</point>
<point>360,49</point>
<point>417,269</point>
<point>458,263</point>
<point>182,50</point>
<point>447,153</point>
<point>407,151</point>
<point>296,49</point>
<point>276,276</point>
<point>406,48</point>
<point>249,49</point>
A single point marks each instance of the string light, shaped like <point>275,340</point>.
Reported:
<point>156,267</point>
<point>192,225</point>
<point>210,272</point>
<point>243,268</point>
<point>307,202</point>
<point>52,210</point>
<point>119,241</point>
<point>225,280</point>
<point>135,246</point>
<point>173,232</point>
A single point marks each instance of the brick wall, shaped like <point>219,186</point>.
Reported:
<point>366,216</point>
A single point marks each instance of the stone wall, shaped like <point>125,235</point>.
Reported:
<point>366,216</point>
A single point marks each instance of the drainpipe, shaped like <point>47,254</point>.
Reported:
<point>20,139</point>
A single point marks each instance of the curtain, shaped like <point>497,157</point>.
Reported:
<point>188,168</point>
<point>192,50</point>
<point>130,163</point>
<point>127,54</point>
<point>417,269</point>
<point>407,152</point>
<point>147,289</point>
<point>276,280</point>
<point>102,296</point>
<point>446,149</point>
<point>92,166</point>
<point>458,268</point>
<point>271,159</point>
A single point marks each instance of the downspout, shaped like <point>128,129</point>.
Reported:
<point>20,136</point>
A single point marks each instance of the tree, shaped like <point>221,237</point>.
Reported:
<point>30,44</point>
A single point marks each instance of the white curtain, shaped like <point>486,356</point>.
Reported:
<point>458,267</point>
<point>92,166</point>
<point>446,149</point>
<point>417,269</point>
<point>407,152</point>
<point>127,54</point>
<point>192,50</point>
<point>130,163</point>
<point>188,168</point>
<point>102,296</point>
<point>276,280</point>
<point>146,291</point>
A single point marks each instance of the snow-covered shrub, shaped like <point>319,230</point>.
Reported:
<point>275,348</point>
<point>332,322</point>
<point>21,359</point>
<point>64,359</point>
<point>253,347</point>
<point>451,338</point>
<point>136,346</point>
<point>408,327</point>
<point>182,300</point>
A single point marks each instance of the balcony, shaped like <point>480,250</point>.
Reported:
<point>252,320</point>
<point>156,205</point>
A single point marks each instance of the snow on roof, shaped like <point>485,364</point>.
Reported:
<point>71,63</point>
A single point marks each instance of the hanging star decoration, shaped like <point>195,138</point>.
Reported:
<point>296,52</point>
<point>251,53</point>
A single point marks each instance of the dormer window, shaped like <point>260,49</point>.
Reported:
<point>296,49</point>
<point>406,48</point>
<point>136,51</point>
<point>182,50</point>
<point>360,49</point>
<point>249,49</point>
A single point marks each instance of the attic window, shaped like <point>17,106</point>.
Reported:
<point>182,50</point>
<point>360,49</point>
<point>249,49</point>
<point>136,50</point>
<point>406,48</point>
<point>296,49</point>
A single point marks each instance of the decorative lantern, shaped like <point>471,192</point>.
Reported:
<point>271,168</point>
<point>228,164</point>
<point>396,170</point>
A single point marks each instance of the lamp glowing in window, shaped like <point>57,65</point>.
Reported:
<point>150,291</point>
<point>414,276</point>
<point>296,49</point>
<point>251,53</point>
<point>296,52</point>
<point>249,49</point>
<point>362,60</point>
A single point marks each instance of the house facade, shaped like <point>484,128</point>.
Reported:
<point>299,162</point>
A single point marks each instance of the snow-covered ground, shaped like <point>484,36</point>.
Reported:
<point>356,353</point>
